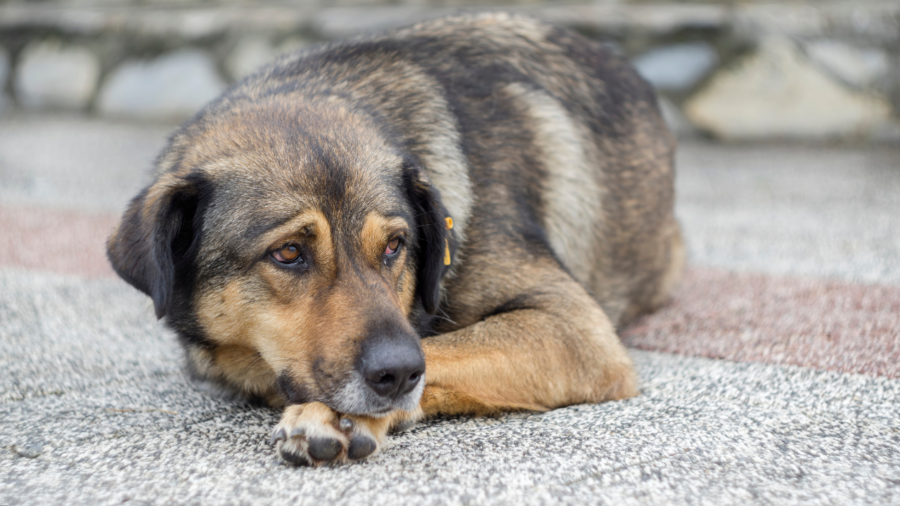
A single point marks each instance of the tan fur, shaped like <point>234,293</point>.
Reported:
<point>493,359</point>
<point>545,149</point>
<point>377,231</point>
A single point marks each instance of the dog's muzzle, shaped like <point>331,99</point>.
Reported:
<point>389,375</point>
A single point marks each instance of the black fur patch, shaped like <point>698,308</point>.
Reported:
<point>291,390</point>
<point>431,233</point>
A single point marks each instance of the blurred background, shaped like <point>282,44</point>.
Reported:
<point>788,193</point>
<point>787,113</point>
<point>730,70</point>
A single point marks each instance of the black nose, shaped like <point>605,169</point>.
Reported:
<point>392,368</point>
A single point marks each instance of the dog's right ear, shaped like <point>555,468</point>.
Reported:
<point>432,237</point>
<point>158,236</point>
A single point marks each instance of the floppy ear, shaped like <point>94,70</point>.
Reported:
<point>157,237</point>
<point>431,235</point>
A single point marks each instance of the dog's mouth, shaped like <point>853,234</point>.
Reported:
<point>356,398</point>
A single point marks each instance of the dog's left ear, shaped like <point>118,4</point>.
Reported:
<point>431,235</point>
<point>158,237</point>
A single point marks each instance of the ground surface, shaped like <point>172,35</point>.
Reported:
<point>773,377</point>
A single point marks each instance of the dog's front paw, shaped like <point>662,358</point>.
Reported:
<point>313,434</point>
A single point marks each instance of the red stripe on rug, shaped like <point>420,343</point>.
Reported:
<point>52,240</point>
<point>780,320</point>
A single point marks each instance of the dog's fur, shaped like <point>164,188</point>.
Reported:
<point>546,150</point>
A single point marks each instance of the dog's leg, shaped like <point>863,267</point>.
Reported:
<point>551,346</point>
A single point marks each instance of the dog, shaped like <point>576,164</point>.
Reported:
<point>450,218</point>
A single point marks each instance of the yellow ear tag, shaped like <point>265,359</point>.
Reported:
<point>449,222</point>
<point>446,252</point>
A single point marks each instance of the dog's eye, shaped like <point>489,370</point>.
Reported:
<point>288,254</point>
<point>392,246</point>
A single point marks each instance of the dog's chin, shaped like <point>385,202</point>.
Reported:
<point>355,398</point>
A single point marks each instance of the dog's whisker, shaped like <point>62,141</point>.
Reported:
<point>444,316</point>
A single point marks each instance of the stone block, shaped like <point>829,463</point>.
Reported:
<point>677,67</point>
<point>4,74</point>
<point>777,93</point>
<point>4,66</point>
<point>874,22</point>
<point>252,53</point>
<point>858,67</point>
<point>51,75</point>
<point>292,45</point>
<point>248,55</point>
<point>680,127</point>
<point>170,87</point>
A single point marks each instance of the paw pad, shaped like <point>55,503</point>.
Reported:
<point>324,448</point>
<point>361,447</point>
<point>290,455</point>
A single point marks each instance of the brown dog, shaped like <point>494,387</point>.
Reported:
<point>449,218</point>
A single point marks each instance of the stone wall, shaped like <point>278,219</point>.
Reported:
<point>730,70</point>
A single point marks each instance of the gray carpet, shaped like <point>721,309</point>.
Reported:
<point>95,409</point>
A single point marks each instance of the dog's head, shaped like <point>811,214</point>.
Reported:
<point>293,247</point>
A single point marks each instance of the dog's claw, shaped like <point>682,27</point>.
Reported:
<point>360,447</point>
<point>324,448</point>
<point>346,424</point>
<point>278,435</point>
<point>299,431</point>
